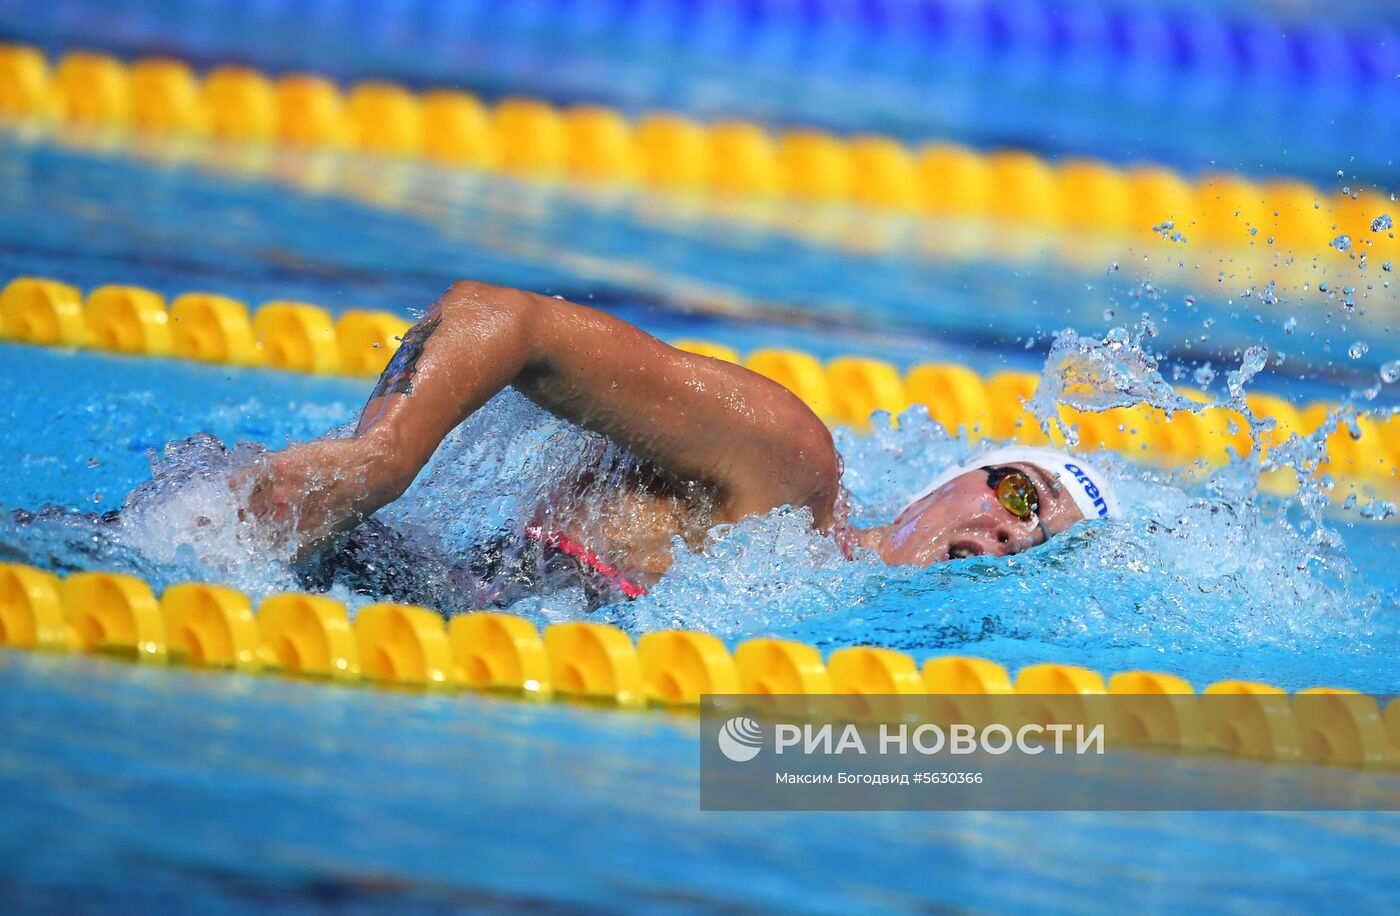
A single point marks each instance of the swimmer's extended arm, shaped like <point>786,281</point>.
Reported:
<point>699,418</point>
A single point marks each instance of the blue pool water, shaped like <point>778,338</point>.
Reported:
<point>148,787</point>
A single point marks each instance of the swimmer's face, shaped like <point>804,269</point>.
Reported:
<point>963,518</point>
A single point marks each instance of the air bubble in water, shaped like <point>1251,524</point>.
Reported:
<point>1204,375</point>
<point>1358,349</point>
<point>1289,325</point>
<point>1342,242</point>
<point>1381,223</point>
<point>1390,372</point>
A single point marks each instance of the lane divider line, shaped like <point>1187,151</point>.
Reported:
<point>198,625</point>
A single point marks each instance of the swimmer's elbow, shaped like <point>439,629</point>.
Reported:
<point>507,315</point>
<point>474,296</point>
<point>471,291</point>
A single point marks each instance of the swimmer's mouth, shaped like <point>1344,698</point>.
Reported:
<point>964,549</point>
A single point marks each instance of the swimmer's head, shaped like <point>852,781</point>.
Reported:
<point>999,503</point>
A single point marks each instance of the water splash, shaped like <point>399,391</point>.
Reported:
<point>186,523</point>
<point>1097,375</point>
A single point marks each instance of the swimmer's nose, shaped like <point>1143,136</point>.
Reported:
<point>1016,538</point>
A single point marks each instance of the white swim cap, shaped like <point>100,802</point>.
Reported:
<point>1086,484</point>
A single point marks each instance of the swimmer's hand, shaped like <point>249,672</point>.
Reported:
<point>313,491</point>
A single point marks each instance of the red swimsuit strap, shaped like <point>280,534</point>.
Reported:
<point>574,548</point>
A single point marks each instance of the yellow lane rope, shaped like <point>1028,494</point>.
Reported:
<point>404,646</point>
<point>530,138</point>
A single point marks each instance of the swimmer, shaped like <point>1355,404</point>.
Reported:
<point>717,442</point>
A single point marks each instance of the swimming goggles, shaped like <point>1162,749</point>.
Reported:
<point>1015,491</point>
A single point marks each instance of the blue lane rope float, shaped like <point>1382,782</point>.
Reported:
<point>1100,39</point>
<point>1179,62</point>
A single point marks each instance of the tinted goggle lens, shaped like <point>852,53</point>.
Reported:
<point>1015,492</point>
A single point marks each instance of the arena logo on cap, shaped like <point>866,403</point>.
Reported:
<point>1090,489</point>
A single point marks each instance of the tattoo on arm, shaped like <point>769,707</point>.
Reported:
<point>397,377</point>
